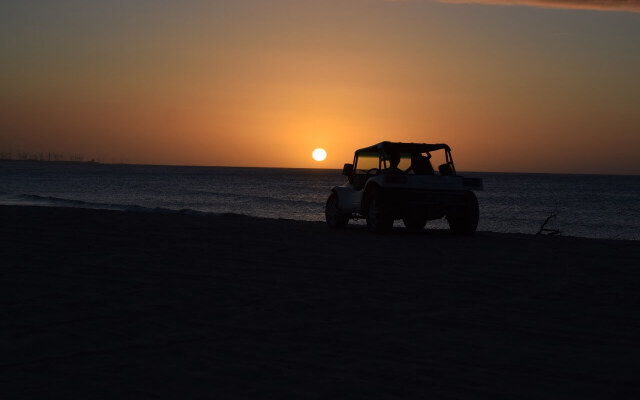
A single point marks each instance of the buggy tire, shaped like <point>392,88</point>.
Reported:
<point>463,220</point>
<point>335,219</point>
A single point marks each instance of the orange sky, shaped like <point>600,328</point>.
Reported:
<point>253,83</point>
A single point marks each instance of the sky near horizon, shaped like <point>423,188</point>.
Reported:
<point>523,86</point>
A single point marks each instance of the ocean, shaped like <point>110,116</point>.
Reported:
<point>595,206</point>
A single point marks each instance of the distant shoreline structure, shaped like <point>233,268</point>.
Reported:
<point>44,157</point>
<point>51,161</point>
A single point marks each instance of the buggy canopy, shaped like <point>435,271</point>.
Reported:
<point>398,147</point>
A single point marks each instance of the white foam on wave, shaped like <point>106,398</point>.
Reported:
<point>9,199</point>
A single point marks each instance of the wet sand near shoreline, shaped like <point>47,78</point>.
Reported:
<point>110,304</point>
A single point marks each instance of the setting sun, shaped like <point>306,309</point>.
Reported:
<point>319,154</point>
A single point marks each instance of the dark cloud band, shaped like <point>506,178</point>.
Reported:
<point>603,5</point>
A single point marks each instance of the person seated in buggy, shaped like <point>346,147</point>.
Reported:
<point>394,160</point>
<point>420,165</point>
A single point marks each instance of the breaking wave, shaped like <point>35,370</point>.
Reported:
<point>51,201</point>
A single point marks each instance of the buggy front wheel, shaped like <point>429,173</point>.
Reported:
<point>335,219</point>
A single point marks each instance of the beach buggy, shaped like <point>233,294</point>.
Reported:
<point>392,181</point>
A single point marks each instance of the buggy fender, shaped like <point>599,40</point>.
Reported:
<point>348,198</point>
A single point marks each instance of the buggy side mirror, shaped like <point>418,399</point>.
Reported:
<point>347,170</point>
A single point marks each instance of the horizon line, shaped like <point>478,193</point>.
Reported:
<point>300,168</point>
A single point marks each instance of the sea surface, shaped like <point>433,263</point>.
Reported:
<point>596,206</point>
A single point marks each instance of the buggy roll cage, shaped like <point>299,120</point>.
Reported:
<point>386,148</point>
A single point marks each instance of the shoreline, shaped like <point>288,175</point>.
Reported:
<point>108,304</point>
<point>207,214</point>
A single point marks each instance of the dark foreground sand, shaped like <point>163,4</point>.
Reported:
<point>107,304</point>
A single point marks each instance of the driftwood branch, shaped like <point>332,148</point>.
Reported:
<point>549,231</point>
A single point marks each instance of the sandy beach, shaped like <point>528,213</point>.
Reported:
<point>109,304</point>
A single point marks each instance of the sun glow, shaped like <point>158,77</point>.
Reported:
<point>319,154</point>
